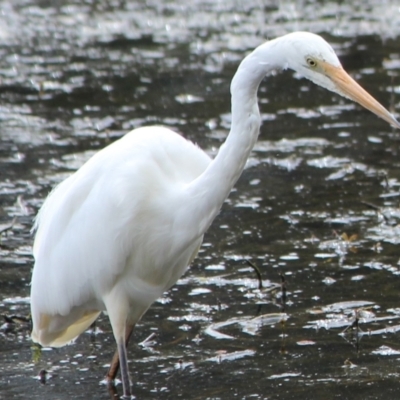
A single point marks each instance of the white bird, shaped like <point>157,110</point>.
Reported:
<point>121,230</point>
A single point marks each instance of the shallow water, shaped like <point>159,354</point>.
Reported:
<point>316,206</point>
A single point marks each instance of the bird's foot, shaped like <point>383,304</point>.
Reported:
<point>112,389</point>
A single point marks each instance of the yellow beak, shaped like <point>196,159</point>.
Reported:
<point>351,89</point>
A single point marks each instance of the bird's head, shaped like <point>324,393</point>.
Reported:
<point>312,57</point>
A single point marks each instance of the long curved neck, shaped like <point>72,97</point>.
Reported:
<point>207,193</point>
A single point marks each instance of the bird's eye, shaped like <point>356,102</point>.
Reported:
<point>311,62</point>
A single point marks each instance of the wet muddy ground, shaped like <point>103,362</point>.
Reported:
<point>317,208</point>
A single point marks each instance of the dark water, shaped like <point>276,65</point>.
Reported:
<point>317,204</point>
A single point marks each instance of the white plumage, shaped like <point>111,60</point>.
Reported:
<point>122,229</point>
<point>122,202</point>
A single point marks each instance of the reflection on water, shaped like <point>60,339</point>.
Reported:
<point>317,203</point>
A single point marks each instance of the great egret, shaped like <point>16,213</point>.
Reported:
<point>123,228</point>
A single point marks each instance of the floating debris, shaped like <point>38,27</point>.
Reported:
<point>305,343</point>
<point>236,355</point>
<point>285,375</point>
<point>386,351</point>
<point>248,325</point>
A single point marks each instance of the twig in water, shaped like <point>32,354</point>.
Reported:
<point>6,228</point>
<point>258,273</point>
<point>388,221</point>
<point>283,288</point>
<point>355,325</point>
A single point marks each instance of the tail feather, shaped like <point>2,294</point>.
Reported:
<point>44,335</point>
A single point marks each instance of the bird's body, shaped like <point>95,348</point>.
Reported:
<point>131,188</point>
<point>123,228</point>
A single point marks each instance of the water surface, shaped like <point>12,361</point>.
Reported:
<point>316,206</point>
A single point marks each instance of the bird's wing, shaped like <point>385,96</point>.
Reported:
<point>115,213</point>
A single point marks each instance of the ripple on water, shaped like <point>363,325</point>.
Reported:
<point>94,71</point>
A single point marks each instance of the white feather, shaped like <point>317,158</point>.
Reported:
<point>122,229</point>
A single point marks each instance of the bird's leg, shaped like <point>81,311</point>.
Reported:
<point>112,371</point>
<point>114,366</point>
<point>123,361</point>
